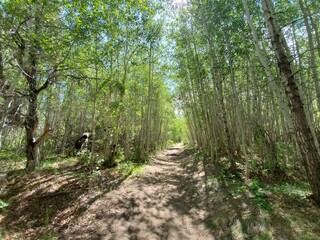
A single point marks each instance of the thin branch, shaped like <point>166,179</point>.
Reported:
<point>44,86</point>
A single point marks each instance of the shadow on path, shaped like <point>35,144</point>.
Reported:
<point>163,204</point>
<point>40,203</point>
<point>174,199</point>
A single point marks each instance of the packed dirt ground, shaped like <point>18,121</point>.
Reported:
<point>159,205</point>
<point>172,197</point>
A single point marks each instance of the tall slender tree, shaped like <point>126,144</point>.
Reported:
<point>305,139</point>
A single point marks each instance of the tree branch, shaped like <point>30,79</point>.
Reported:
<point>44,86</point>
<point>46,132</point>
<point>49,81</point>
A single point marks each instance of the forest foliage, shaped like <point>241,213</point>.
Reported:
<point>247,74</point>
<point>97,84</point>
<point>74,67</point>
<point>236,80</point>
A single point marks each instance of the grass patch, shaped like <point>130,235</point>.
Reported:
<point>11,159</point>
<point>260,236</point>
<point>129,168</point>
<point>255,209</point>
<point>49,236</point>
<point>297,190</point>
<point>3,204</point>
<point>55,162</point>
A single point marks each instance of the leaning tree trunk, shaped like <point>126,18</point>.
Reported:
<point>309,153</point>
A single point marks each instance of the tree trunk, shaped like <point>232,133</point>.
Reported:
<point>93,127</point>
<point>1,70</point>
<point>314,26</point>
<point>3,114</point>
<point>272,82</point>
<point>309,153</point>
<point>217,82</point>
<point>304,93</point>
<point>313,64</point>
<point>67,124</point>
<point>31,125</point>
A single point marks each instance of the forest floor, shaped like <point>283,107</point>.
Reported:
<point>172,197</point>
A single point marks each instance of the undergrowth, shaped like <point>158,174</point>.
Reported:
<point>254,188</point>
<point>261,207</point>
<point>127,168</point>
<point>11,159</point>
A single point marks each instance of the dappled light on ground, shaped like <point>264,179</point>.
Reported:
<point>47,202</point>
<point>159,205</point>
<point>175,196</point>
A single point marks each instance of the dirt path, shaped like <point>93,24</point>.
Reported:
<point>162,204</point>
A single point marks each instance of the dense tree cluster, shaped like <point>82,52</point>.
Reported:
<point>248,79</point>
<point>70,67</point>
<point>246,76</point>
